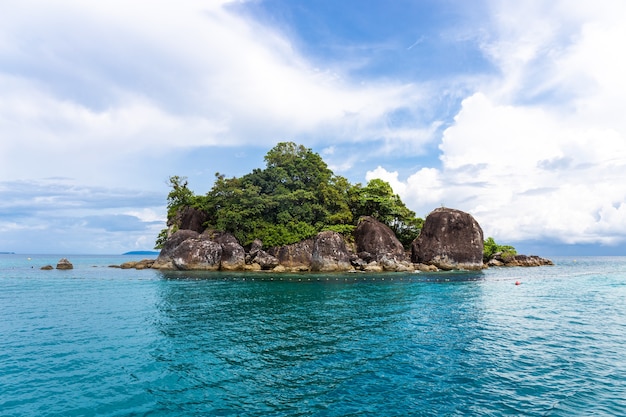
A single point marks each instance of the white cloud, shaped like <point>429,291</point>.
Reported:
<point>46,216</point>
<point>390,177</point>
<point>85,85</point>
<point>540,152</point>
<point>110,92</point>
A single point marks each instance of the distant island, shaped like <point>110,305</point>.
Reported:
<point>141,252</point>
<point>7,253</point>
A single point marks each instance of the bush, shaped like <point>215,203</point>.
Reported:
<point>491,248</point>
<point>292,199</point>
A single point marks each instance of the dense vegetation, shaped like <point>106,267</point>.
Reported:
<point>491,248</point>
<point>293,198</point>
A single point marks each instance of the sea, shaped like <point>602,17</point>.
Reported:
<point>101,341</point>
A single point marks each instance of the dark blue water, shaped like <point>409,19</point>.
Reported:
<point>110,342</point>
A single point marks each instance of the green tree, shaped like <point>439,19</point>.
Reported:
<point>294,197</point>
<point>378,200</point>
<point>296,167</point>
<point>490,248</point>
<point>180,195</point>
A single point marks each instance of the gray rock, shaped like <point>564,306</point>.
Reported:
<point>64,264</point>
<point>330,253</point>
<point>450,239</point>
<point>377,240</point>
<point>233,254</point>
<point>197,254</point>
<point>164,260</point>
<point>257,256</point>
<point>210,251</point>
<point>295,257</point>
<point>255,247</point>
<point>528,260</point>
<point>265,260</point>
<point>189,218</point>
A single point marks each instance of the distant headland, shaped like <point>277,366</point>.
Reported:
<point>141,252</point>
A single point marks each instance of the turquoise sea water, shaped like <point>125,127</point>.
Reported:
<point>111,342</point>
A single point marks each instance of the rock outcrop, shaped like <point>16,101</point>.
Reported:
<point>378,248</point>
<point>330,253</point>
<point>377,241</point>
<point>197,254</point>
<point>189,218</point>
<point>209,251</point>
<point>233,257</point>
<point>257,256</point>
<point>165,258</point>
<point>518,260</point>
<point>143,264</point>
<point>294,257</point>
<point>450,239</point>
<point>64,264</point>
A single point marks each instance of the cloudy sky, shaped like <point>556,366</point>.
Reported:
<point>512,111</point>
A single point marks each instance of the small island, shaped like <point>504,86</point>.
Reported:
<point>297,215</point>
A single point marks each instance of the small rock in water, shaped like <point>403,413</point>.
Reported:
<point>47,268</point>
<point>64,264</point>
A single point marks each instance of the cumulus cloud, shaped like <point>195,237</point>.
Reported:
<point>539,152</point>
<point>111,93</point>
<point>391,177</point>
<point>89,84</point>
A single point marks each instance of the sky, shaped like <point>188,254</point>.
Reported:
<point>512,111</point>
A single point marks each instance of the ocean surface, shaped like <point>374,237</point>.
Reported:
<point>108,342</point>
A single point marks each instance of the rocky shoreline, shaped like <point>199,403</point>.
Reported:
<point>450,240</point>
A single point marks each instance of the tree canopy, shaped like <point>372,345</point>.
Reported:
<point>491,248</point>
<point>293,198</point>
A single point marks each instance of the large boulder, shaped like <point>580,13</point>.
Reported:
<point>257,256</point>
<point>189,218</point>
<point>209,251</point>
<point>450,239</point>
<point>233,254</point>
<point>64,264</point>
<point>330,253</point>
<point>266,261</point>
<point>294,257</point>
<point>377,241</point>
<point>164,260</point>
<point>197,254</point>
<point>255,248</point>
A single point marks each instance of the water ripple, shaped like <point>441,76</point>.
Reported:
<point>315,345</point>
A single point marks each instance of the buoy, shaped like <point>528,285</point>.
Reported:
<point>517,283</point>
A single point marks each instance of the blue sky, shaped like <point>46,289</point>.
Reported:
<point>512,111</point>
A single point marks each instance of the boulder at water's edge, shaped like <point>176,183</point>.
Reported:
<point>330,253</point>
<point>64,264</point>
<point>450,239</point>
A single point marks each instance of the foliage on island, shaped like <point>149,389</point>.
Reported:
<point>491,248</point>
<point>293,198</point>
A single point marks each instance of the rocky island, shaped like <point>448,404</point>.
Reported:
<point>451,239</point>
<point>296,215</point>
